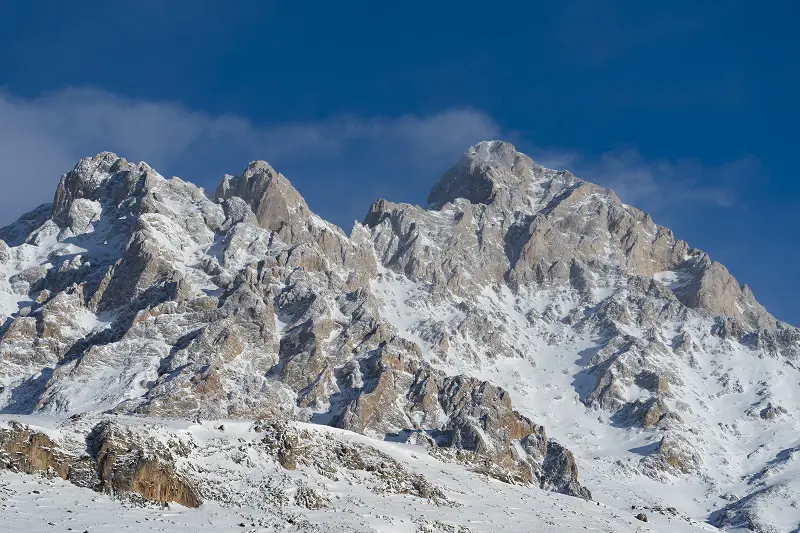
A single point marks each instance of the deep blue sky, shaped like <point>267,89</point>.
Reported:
<point>688,109</point>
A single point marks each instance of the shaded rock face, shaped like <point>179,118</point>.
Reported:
<point>117,463</point>
<point>487,172</point>
<point>32,452</point>
<point>125,464</point>
<point>560,471</point>
<point>674,454</point>
<point>136,294</point>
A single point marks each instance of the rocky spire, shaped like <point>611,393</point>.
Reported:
<point>482,171</point>
<point>275,202</point>
<point>279,208</point>
<point>84,182</point>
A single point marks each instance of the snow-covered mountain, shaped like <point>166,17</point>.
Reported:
<point>525,326</point>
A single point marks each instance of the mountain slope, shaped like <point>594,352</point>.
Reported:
<point>340,482</point>
<point>520,296</point>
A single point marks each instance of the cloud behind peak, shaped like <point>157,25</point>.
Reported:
<point>341,164</point>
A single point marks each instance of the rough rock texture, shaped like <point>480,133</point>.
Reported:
<point>521,297</point>
<point>117,462</point>
<point>126,463</point>
<point>292,447</point>
<point>32,452</point>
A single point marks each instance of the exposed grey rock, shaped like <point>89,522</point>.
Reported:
<point>560,472</point>
<point>310,499</point>
<point>17,233</point>
<point>330,457</point>
<point>5,252</point>
<point>674,453</point>
<point>136,294</point>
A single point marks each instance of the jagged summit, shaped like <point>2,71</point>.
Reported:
<point>270,195</point>
<point>481,171</point>
<point>537,206</point>
<point>526,324</point>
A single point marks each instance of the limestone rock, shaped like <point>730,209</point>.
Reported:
<point>140,295</point>
<point>674,453</point>
<point>128,465</point>
<point>118,462</point>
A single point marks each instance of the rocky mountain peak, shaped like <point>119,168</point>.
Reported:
<point>105,182</point>
<point>84,182</point>
<point>482,172</point>
<point>522,296</point>
<point>498,153</point>
<point>273,199</point>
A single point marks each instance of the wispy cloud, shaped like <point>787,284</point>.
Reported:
<point>658,184</point>
<point>341,164</point>
<point>43,137</point>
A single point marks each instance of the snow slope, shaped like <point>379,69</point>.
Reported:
<point>475,503</point>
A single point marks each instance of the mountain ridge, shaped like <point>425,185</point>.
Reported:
<point>521,294</point>
<point>483,152</point>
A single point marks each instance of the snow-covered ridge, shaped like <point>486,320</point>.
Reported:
<point>527,320</point>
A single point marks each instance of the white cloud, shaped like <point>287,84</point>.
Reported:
<point>41,138</point>
<point>341,164</point>
<point>659,184</point>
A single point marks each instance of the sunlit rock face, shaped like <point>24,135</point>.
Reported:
<point>524,320</point>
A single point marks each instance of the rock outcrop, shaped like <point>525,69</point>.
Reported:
<point>117,462</point>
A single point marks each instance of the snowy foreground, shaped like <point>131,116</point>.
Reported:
<point>30,503</point>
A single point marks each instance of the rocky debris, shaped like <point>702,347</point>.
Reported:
<point>641,517</point>
<point>437,526</point>
<point>310,498</point>
<point>668,511</point>
<point>772,411</point>
<point>282,440</point>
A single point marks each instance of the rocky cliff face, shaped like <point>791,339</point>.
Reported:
<point>114,460</point>
<point>520,298</point>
